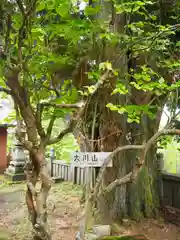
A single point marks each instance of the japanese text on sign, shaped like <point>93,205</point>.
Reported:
<point>90,159</point>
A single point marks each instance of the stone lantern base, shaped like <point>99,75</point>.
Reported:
<point>15,177</point>
<point>15,171</point>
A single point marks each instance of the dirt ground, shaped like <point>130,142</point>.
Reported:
<point>64,211</point>
<point>151,229</point>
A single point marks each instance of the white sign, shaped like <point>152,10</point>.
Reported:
<point>89,159</point>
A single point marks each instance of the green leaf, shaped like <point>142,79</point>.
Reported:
<point>41,6</point>
<point>120,88</point>
<point>112,107</point>
<point>153,17</point>
<point>89,10</point>
<point>63,10</point>
<point>91,89</point>
<point>161,80</point>
<point>105,65</point>
<point>121,110</point>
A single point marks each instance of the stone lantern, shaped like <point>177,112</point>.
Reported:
<point>15,170</point>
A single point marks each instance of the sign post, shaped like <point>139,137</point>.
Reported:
<point>89,159</point>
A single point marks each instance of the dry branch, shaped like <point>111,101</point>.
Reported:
<point>159,134</point>
<point>132,175</point>
<point>108,160</point>
<point>91,199</point>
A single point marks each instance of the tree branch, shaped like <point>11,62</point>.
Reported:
<point>7,36</point>
<point>5,90</point>
<point>117,182</point>
<point>50,127</point>
<point>67,130</point>
<point>20,5</point>
<point>32,178</point>
<point>159,134</point>
<point>64,105</point>
<point>40,129</point>
<point>172,120</point>
<point>108,160</point>
<point>53,90</point>
<point>38,117</point>
<point>24,26</point>
<point>132,175</point>
<point>70,127</point>
<point>80,105</point>
<point>28,145</point>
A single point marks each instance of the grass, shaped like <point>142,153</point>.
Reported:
<point>68,189</point>
<point>6,184</point>
<point>64,188</point>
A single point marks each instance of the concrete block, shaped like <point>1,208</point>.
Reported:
<point>102,230</point>
<point>90,236</point>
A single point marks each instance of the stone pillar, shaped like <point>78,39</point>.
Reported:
<point>15,170</point>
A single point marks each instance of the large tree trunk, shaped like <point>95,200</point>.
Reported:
<point>140,198</point>
<point>137,199</point>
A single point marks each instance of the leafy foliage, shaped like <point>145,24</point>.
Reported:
<point>58,36</point>
<point>53,54</point>
<point>64,148</point>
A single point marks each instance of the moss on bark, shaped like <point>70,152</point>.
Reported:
<point>143,197</point>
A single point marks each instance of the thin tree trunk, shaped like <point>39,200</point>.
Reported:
<point>36,200</point>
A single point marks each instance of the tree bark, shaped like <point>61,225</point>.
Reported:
<point>36,200</point>
<point>134,200</point>
<point>140,198</point>
<point>37,166</point>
